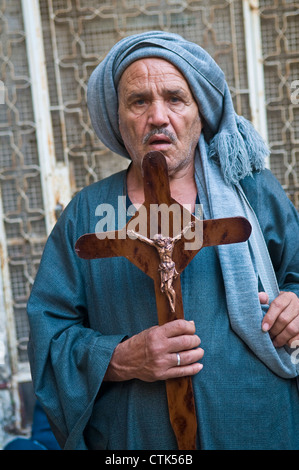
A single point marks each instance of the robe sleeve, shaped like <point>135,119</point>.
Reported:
<point>279,222</point>
<point>68,359</point>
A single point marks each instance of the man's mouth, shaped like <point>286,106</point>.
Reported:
<point>159,140</point>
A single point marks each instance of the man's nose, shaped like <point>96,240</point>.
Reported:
<point>158,114</point>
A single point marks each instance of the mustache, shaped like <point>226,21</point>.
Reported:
<point>160,130</point>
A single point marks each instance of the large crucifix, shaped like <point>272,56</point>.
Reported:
<point>163,257</point>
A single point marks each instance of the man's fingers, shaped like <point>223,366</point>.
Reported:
<point>280,312</point>
<point>282,319</point>
<point>187,357</point>
<point>189,370</point>
<point>183,343</point>
<point>177,335</point>
<point>288,334</point>
<point>165,343</point>
<point>187,364</point>
<point>287,322</point>
<point>178,327</point>
<point>264,298</point>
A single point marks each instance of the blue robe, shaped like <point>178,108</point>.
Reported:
<point>80,310</point>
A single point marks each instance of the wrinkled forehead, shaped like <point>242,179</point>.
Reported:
<point>147,71</point>
<point>151,66</point>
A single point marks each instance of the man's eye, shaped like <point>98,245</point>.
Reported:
<point>139,102</point>
<point>175,99</point>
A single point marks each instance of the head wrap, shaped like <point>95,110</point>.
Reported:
<point>232,140</point>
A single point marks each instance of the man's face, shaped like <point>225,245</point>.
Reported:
<point>157,112</point>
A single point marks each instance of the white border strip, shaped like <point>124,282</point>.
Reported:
<point>54,177</point>
<point>255,68</point>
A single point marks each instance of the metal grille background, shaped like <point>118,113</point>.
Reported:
<point>280,44</point>
<point>77,35</point>
<point>22,202</point>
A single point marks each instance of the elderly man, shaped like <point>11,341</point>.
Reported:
<point>99,360</point>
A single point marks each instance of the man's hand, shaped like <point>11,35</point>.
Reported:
<point>282,318</point>
<point>152,354</point>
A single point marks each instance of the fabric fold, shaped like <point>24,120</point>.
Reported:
<point>239,267</point>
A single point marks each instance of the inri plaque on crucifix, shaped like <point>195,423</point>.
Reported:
<point>163,257</point>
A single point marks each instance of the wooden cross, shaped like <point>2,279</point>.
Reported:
<point>165,267</point>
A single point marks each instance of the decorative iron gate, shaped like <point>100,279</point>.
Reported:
<point>49,150</point>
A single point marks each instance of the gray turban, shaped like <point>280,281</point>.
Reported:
<point>232,140</point>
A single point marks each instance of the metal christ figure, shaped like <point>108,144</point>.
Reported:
<point>165,246</point>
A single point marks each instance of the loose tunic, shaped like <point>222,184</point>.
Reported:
<point>80,310</point>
